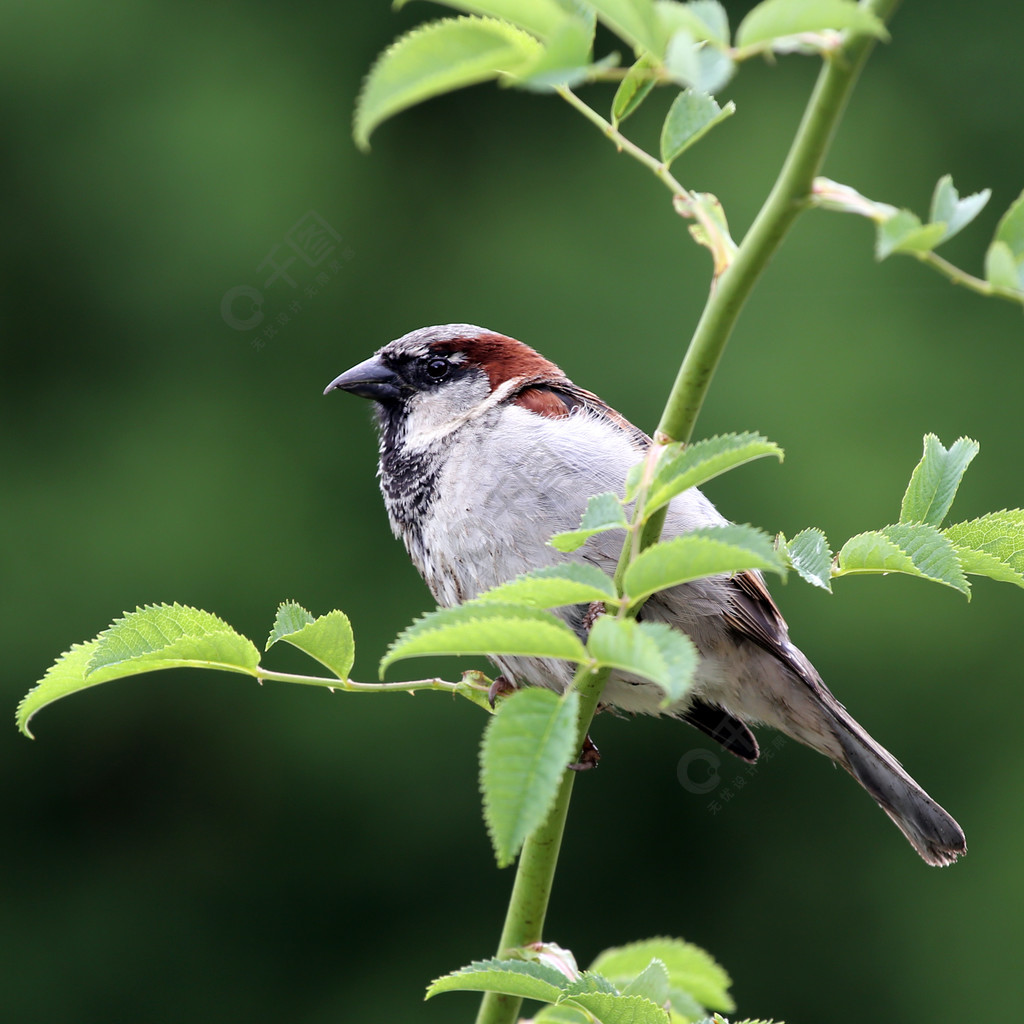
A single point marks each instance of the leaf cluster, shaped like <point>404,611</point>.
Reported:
<point>548,46</point>
<point>654,981</point>
<point>917,544</point>
<point>164,636</point>
<point>535,734</point>
<point>903,231</point>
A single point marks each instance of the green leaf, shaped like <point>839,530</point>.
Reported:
<point>651,983</point>
<point>328,639</point>
<point>935,480</point>
<point>511,977</point>
<point>554,586</point>
<point>811,556</point>
<point>949,209</point>
<point>1004,261</point>
<point>1010,228</point>
<point>981,563</point>
<point>542,18</point>
<point>992,545</point>
<point>684,466</point>
<point>933,554</point>
<point>774,19</point>
<point>913,548</point>
<point>689,968</point>
<point>692,115</point>
<point>699,65</point>
<point>708,551</point>
<point>474,686</point>
<point>681,58</point>
<point>651,650</point>
<point>715,69</point>
<point>116,653</point>
<point>603,512</point>
<point>486,627</point>
<point>437,58</point>
<point>615,1009</point>
<point>873,551</point>
<point>290,618</point>
<point>715,236</point>
<point>588,981</point>
<point>561,1014</point>
<point>635,21</point>
<point>1001,268</point>
<point>685,1008</point>
<point>633,89</point>
<point>527,746</point>
<point>904,232</point>
<point>703,19</point>
<point>564,61</point>
<point>173,636</point>
<point>67,675</point>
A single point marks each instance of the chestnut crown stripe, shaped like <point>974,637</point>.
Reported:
<point>544,389</point>
<point>501,358</point>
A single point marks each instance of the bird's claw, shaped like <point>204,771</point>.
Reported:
<point>590,756</point>
<point>501,687</point>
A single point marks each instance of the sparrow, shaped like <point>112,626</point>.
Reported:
<point>487,449</point>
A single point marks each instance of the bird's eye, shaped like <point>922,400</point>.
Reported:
<point>437,368</point>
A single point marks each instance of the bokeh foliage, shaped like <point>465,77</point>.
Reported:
<point>266,857</point>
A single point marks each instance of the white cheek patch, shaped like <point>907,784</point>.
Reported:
<point>433,416</point>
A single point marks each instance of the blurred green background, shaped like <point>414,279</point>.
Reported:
<point>193,847</point>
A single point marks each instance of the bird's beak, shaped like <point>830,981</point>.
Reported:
<point>370,379</point>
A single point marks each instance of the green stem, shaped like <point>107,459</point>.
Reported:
<point>468,687</point>
<point>351,686</point>
<point>657,167</point>
<point>535,873</point>
<point>789,196</point>
<point>975,284</point>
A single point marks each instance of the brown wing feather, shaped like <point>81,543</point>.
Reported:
<point>754,615</point>
<point>540,395</point>
<point>543,402</point>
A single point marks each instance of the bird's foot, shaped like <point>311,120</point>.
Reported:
<point>590,756</point>
<point>594,611</point>
<point>501,687</point>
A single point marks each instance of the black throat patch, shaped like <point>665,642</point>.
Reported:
<point>408,479</point>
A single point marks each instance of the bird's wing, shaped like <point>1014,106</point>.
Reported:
<point>753,615</point>
<point>560,398</point>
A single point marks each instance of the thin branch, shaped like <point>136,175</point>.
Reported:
<point>351,686</point>
<point>657,167</point>
<point>958,276</point>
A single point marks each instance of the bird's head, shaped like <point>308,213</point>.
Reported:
<point>429,382</point>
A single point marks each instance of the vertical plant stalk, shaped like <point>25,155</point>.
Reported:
<point>535,872</point>
<point>524,920</point>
